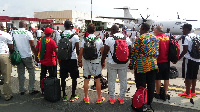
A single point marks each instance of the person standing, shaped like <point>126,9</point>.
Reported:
<point>71,65</point>
<point>92,67</point>
<point>163,63</point>
<point>169,34</point>
<point>25,43</point>
<point>57,31</point>
<point>124,32</point>
<point>152,30</point>
<point>47,49</point>
<point>190,65</point>
<point>38,33</point>
<point>144,62</point>
<point>114,68</point>
<point>6,46</point>
<point>133,35</point>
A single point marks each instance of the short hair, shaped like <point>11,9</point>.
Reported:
<point>187,26</point>
<point>145,26</point>
<point>159,28</point>
<point>91,28</point>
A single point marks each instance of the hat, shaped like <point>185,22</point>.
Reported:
<point>48,30</point>
<point>68,23</point>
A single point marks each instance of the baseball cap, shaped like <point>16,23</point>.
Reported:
<point>68,23</point>
<point>48,30</point>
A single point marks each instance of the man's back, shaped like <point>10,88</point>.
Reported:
<point>163,48</point>
<point>22,37</point>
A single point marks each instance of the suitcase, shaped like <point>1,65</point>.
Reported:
<point>52,90</point>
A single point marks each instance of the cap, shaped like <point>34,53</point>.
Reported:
<point>68,23</point>
<point>48,30</point>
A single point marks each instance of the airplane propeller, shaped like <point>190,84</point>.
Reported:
<point>143,20</point>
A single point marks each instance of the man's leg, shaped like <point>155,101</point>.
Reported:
<point>52,71</point>
<point>21,77</point>
<point>98,88</point>
<point>122,74</point>
<point>63,85</point>
<point>31,70</point>
<point>112,75</point>
<point>6,68</point>
<point>150,77</point>
<point>166,85</point>
<point>188,83</point>
<point>193,85</point>
<point>74,84</point>
<point>86,87</point>
<point>157,85</point>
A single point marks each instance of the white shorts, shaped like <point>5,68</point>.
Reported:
<point>90,68</point>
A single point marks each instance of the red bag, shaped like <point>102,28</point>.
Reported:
<point>121,51</point>
<point>139,100</point>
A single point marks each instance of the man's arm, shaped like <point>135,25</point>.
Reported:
<point>80,57</point>
<point>105,52</point>
<point>56,50</point>
<point>11,48</point>
<point>185,49</point>
<point>77,48</point>
<point>32,45</point>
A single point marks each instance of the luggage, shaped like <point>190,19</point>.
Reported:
<point>139,100</point>
<point>52,90</point>
<point>173,72</point>
<point>121,51</point>
<point>104,83</point>
<point>90,49</point>
<point>174,51</point>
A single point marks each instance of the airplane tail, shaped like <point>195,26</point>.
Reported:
<point>126,11</point>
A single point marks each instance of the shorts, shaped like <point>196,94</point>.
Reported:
<point>190,69</point>
<point>163,73</point>
<point>69,66</point>
<point>91,69</point>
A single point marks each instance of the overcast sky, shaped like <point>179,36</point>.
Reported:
<point>164,9</point>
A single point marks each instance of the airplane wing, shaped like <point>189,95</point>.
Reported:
<point>121,18</point>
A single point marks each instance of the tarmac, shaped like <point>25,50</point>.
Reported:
<point>32,103</point>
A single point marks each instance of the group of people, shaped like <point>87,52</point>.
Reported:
<point>149,67</point>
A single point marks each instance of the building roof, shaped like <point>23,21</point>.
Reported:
<point>53,14</point>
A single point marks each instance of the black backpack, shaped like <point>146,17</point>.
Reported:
<point>65,48</point>
<point>90,50</point>
<point>194,53</point>
<point>173,72</point>
<point>174,51</point>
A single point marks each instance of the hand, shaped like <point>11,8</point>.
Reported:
<point>80,64</point>
<point>174,62</point>
<point>131,67</point>
<point>103,64</point>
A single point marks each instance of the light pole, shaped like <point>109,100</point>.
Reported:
<point>91,11</point>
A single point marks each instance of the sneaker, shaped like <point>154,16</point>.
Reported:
<point>100,100</point>
<point>34,92</point>
<point>73,98</point>
<point>64,98</point>
<point>86,100</point>
<point>149,109</point>
<point>121,100</point>
<point>193,94</point>
<point>185,95</point>
<point>112,101</point>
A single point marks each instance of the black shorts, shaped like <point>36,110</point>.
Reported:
<point>163,73</point>
<point>96,77</point>
<point>69,66</point>
<point>190,69</point>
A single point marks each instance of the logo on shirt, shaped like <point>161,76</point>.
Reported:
<point>19,32</point>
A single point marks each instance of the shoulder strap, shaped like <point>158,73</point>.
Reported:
<point>95,38</point>
<point>71,35</point>
<point>115,38</point>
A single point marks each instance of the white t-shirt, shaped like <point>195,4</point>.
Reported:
<point>151,32</point>
<point>110,42</point>
<point>73,31</point>
<point>58,35</point>
<point>5,39</point>
<point>168,34</point>
<point>39,33</point>
<point>188,41</point>
<point>22,37</point>
<point>99,44</point>
<point>74,40</point>
<point>102,33</point>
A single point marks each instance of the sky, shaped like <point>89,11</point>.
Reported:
<point>158,9</point>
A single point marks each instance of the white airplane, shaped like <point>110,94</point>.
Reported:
<point>130,22</point>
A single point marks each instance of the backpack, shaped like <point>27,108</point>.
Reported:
<point>90,50</point>
<point>139,100</point>
<point>174,51</point>
<point>104,83</point>
<point>195,53</point>
<point>121,51</point>
<point>65,48</point>
<point>173,72</point>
